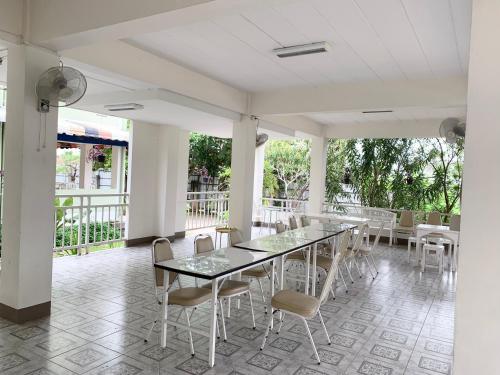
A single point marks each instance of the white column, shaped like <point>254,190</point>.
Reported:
<point>173,170</point>
<point>258,183</point>
<point>28,211</point>
<point>116,168</point>
<point>242,175</point>
<point>477,326</point>
<point>143,182</point>
<point>85,178</point>
<point>319,146</point>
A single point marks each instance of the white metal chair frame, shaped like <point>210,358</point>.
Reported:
<point>184,309</point>
<point>332,272</point>
<point>227,297</point>
<point>367,253</point>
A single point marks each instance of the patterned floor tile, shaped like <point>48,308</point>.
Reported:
<point>264,361</point>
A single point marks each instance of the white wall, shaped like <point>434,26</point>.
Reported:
<point>142,180</point>
<point>319,147</point>
<point>477,325</point>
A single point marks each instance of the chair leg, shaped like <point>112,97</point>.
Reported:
<point>374,265</point>
<point>348,272</point>
<point>357,267</point>
<point>281,323</point>
<point>271,316</point>
<point>324,328</point>
<point>263,296</point>
<point>217,326</point>
<point>312,341</point>
<point>222,320</point>
<point>369,267</point>
<point>189,332</point>
<point>146,339</point>
<point>343,280</point>
<point>251,308</point>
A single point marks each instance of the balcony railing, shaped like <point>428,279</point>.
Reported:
<point>83,220</point>
<point>206,209</point>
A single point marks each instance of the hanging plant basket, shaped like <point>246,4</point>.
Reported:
<point>101,158</point>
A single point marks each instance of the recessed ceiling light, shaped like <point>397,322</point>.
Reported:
<point>123,107</point>
<point>381,111</point>
<point>302,49</point>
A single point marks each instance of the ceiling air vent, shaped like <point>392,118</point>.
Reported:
<point>303,49</point>
<point>123,107</point>
<point>380,111</point>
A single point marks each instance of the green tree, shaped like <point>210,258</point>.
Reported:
<point>446,162</point>
<point>69,163</point>
<point>290,162</point>
<point>208,152</point>
<point>335,171</point>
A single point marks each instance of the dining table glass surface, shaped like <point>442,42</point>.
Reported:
<point>276,244</point>
<point>214,264</point>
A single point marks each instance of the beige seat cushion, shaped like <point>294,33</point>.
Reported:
<point>231,288</point>
<point>188,296</point>
<point>297,255</point>
<point>295,302</point>
<point>258,272</point>
<point>323,262</point>
<point>402,229</point>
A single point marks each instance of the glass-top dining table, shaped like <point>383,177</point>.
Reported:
<point>222,263</point>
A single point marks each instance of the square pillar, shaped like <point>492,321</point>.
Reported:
<point>477,323</point>
<point>258,184</point>
<point>85,177</point>
<point>158,174</point>
<point>29,188</point>
<point>242,175</point>
<point>117,168</point>
<point>319,147</point>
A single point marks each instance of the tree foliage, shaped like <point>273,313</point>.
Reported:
<point>290,163</point>
<point>208,152</point>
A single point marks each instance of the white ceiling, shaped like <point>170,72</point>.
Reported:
<point>398,114</point>
<point>372,40</point>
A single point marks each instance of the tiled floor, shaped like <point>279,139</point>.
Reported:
<point>400,323</point>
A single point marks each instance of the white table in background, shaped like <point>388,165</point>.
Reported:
<point>423,230</point>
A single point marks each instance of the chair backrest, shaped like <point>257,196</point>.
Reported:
<point>161,250</point>
<point>455,223</point>
<point>235,237</point>
<point>280,227</point>
<point>332,272</point>
<point>406,219</point>
<point>434,218</point>
<point>359,239</point>
<point>203,244</point>
<point>292,222</point>
<point>377,237</point>
<point>305,221</point>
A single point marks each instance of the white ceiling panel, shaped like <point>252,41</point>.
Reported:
<point>432,21</point>
<point>371,40</point>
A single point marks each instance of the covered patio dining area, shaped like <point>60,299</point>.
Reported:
<point>249,187</point>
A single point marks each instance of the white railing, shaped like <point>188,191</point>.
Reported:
<point>83,220</point>
<point>277,209</point>
<point>206,209</point>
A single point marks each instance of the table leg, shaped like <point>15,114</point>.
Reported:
<point>272,291</point>
<point>313,282</point>
<point>164,314</point>
<point>213,322</point>
<point>308,265</point>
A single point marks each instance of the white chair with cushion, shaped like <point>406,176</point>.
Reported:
<point>406,224</point>
<point>292,222</point>
<point>186,298</point>
<point>434,218</point>
<point>258,273</point>
<point>227,288</point>
<point>305,307</point>
<point>367,252</point>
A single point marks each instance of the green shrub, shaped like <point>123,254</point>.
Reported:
<point>97,232</point>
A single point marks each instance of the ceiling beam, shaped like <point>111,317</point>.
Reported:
<point>129,61</point>
<point>299,124</point>
<point>449,92</point>
<point>385,129</point>
<point>92,21</point>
